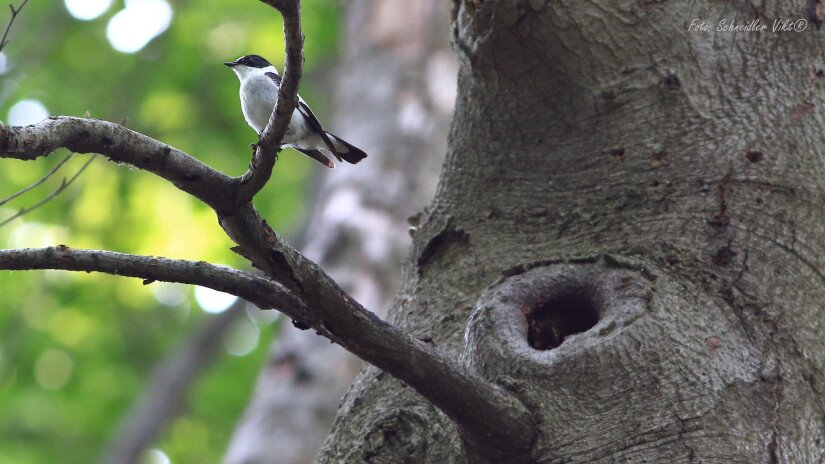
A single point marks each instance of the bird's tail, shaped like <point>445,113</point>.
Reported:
<point>346,151</point>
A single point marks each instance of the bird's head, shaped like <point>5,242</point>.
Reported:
<point>249,64</point>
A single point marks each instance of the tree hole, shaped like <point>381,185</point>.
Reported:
<point>754,156</point>
<point>563,315</point>
<point>672,82</point>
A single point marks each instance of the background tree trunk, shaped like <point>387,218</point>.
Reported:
<point>396,89</point>
<point>667,186</point>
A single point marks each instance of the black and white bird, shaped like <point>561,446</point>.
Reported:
<point>259,89</point>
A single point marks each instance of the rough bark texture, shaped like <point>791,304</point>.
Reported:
<point>396,93</point>
<point>656,190</point>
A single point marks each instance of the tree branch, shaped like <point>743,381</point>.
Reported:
<point>257,290</point>
<point>480,408</point>
<point>121,145</point>
<point>266,151</point>
<point>305,293</point>
<point>63,185</point>
<point>38,182</point>
<point>14,12</point>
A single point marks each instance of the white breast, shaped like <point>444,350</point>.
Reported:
<point>258,95</point>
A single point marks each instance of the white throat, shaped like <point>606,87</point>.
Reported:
<point>245,73</point>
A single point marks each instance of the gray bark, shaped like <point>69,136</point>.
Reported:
<point>396,91</point>
<point>627,231</point>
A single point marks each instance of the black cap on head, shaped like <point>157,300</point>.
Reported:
<point>253,61</point>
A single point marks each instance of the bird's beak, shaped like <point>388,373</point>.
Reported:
<point>230,63</point>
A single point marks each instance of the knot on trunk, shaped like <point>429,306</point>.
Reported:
<point>397,436</point>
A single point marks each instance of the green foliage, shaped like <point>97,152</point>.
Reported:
<point>76,348</point>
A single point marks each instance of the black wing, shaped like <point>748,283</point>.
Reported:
<point>275,77</point>
<point>316,126</point>
<point>309,116</point>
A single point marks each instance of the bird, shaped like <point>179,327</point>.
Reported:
<point>260,83</point>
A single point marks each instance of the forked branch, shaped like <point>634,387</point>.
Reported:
<point>33,185</point>
<point>14,12</point>
<point>64,184</point>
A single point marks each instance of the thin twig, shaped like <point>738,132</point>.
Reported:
<point>39,181</point>
<point>63,185</point>
<point>14,13</point>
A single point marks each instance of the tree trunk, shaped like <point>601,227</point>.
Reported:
<point>625,236</point>
<point>396,89</point>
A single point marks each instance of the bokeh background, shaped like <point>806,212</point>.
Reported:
<point>75,349</point>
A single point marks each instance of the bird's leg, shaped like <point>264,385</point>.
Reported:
<point>258,143</point>
<point>254,161</point>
